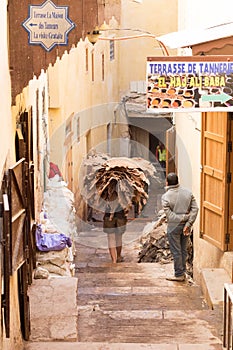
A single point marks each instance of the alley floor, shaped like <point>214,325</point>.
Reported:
<point>131,305</point>
<point>132,302</point>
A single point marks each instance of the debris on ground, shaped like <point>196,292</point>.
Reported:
<point>155,245</point>
<point>57,219</point>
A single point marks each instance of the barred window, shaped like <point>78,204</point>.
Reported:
<point>112,50</point>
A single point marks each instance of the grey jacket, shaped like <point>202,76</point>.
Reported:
<point>179,206</point>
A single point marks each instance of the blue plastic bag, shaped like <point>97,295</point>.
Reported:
<point>46,242</point>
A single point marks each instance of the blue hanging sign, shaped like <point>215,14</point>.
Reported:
<point>48,25</point>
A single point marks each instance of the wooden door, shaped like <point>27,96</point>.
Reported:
<point>109,138</point>
<point>170,147</point>
<point>24,149</point>
<point>88,141</point>
<point>6,257</point>
<point>214,180</point>
<point>15,239</point>
<point>22,214</point>
<point>69,168</point>
<point>230,186</point>
<point>24,305</point>
<point>20,231</point>
<point>18,223</point>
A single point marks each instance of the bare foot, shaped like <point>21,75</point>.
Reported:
<point>120,259</point>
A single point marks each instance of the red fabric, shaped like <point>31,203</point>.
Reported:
<point>54,170</point>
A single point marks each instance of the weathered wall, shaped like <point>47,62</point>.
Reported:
<point>90,96</point>
<point>35,96</point>
<point>27,60</point>
<point>87,97</point>
<point>27,99</point>
<point>188,127</point>
<point>111,8</point>
<point>6,160</point>
<point>78,88</point>
<point>154,17</point>
<point>5,96</point>
<point>188,161</point>
<point>15,340</point>
<point>191,17</point>
<point>188,153</point>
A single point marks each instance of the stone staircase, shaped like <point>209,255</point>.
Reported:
<point>131,306</point>
<point>131,303</point>
<point>118,346</point>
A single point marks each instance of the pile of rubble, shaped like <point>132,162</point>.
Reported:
<point>154,242</point>
<point>117,180</point>
<point>57,218</point>
<point>155,245</point>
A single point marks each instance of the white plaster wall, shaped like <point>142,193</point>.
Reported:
<point>24,102</point>
<point>188,161</point>
<point>188,134</point>
<point>40,141</point>
<point>77,94</point>
<point>204,14</point>
<point>150,16</point>
<point>198,14</point>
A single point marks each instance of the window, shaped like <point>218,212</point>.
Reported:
<point>87,60</point>
<point>78,129</point>
<point>68,128</point>
<point>92,67</point>
<point>102,67</point>
<point>112,50</point>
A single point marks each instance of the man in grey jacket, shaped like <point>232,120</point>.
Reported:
<point>181,211</point>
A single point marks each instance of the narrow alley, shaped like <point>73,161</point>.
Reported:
<point>116,160</point>
<point>131,305</point>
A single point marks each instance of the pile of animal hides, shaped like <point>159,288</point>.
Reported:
<point>155,246</point>
<point>55,231</point>
<point>117,180</point>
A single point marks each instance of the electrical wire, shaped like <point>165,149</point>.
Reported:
<point>149,35</point>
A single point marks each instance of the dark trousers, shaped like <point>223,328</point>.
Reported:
<point>178,246</point>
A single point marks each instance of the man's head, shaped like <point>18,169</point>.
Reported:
<point>172,179</point>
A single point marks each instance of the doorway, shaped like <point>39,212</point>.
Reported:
<point>216,180</point>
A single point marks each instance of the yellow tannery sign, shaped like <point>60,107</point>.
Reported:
<point>204,83</point>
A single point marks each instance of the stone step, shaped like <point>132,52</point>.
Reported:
<point>135,303</point>
<point>148,326</point>
<point>212,291</point>
<point>126,306</point>
<point>53,309</point>
<point>117,346</point>
<point>126,285</point>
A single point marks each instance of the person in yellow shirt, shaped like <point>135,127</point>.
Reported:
<point>160,155</point>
